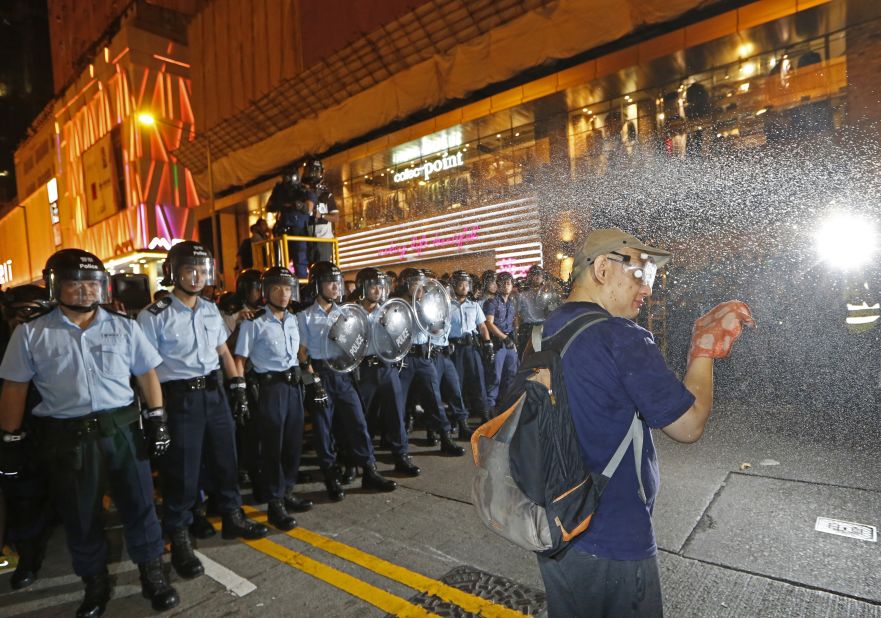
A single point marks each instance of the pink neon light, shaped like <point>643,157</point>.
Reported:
<point>421,242</point>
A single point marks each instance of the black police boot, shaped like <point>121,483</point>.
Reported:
<point>96,597</point>
<point>30,559</point>
<point>405,465</point>
<point>447,447</point>
<point>430,438</point>
<point>184,561</point>
<point>155,586</point>
<point>464,430</point>
<point>349,474</point>
<point>279,516</point>
<point>295,504</point>
<point>201,528</point>
<point>236,525</point>
<point>371,479</point>
<point>332,482</point>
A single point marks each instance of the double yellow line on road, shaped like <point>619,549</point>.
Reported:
<point>378,597</point>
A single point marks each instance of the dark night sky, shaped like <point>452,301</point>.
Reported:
<point>25,78</point>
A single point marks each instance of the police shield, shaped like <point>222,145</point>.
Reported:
<point>345,343</point>
<point>548,297</point>
<point>431,304</point>
<point>392,330</point>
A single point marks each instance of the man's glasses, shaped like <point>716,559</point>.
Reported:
<point>644,272</point>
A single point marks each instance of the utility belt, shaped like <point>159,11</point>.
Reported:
<point>374,361</point>
<point>98,424</point>
<point>211,382</point>
<point>468,339</point>
<point>426,350</point>
<point>293,375</point>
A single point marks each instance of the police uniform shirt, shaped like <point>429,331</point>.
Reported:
<point>79,371</point>
<point>502,312</point>
<point>526,307</point>
<point>187,339</point>
<point>314,323</point>
<point>466,318</point>
<point>269,343</point>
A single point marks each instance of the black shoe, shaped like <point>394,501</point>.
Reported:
<point>405,465</point>
<point>447,446</point>
<point>155,586</point>
<point>295,504</point>
<point>332,482</point>
<point>371,479</point>
<point>349,474</point>
<point>184,561</point>
<point>96,597</point>
<point>464,430</point>
<point>30,559</point>
<point>201,528</point>
<point>236,525</point>
<point>430,438</point>
<point>279,516</point>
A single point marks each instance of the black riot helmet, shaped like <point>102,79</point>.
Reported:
<point>312,171</point>
<point>279,275</point>
<point>458,277</point>
<point>83,268</point>
<point>326,272</point>
<point>247,282</point>
<point>535,272</point>
<point>229,303</point>
<point>370,282</point>
<point>408,278</point>
<point>188,262</point>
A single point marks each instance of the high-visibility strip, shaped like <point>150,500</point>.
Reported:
<point>377,597</point>
<point>469,602</point>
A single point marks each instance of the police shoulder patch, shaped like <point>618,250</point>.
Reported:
<point>119,314</point>
<point>39,312</point>
<point>160,305</point>
<point>257,314</point>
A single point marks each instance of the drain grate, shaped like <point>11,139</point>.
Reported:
<point>485,585</point>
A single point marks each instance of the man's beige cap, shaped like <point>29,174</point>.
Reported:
<point>601,242</point>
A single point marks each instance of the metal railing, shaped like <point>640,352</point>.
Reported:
<point>276,251</point>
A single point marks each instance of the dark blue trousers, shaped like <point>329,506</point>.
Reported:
<point>472,381</point>
<point>421,373</point>
<point>344,404</point>
<point>506,369</point>
<point>280,426</point>
<point>451,387</point>
<point>381,389</point>
<point>200,422</point>
<point>77,476</point>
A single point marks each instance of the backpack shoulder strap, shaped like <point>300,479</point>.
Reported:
<point>561,340</point>
<point>634,435</point>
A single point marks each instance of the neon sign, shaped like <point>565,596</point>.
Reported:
<point>422,242</point>
<point>163,243</point>
<point>430,167</point>
<point>6,272</point>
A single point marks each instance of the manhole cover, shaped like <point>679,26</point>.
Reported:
<point>862,532</point>
<point>485,585</point>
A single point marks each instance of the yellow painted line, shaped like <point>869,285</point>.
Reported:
<point>469,602</point>
<point>377,597</point>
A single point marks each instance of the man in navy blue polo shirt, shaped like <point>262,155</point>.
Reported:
<point>500,311</point>
<point>612,370</point>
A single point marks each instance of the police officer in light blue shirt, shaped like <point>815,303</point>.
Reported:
<point>450,384</point>
<point>471,341</point>
<point>270,340</point>
<point>189,333</point>
<point>81,358</point>
<point>500,311</point>
<point>421,370</point>
<point>341,397</point>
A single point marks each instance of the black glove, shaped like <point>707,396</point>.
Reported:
<point>315,392</point>
<point>156,430</point>
<point>489,352</point>
<point>451,347</point>
<point>238,397</point>
<point>13,453</point>
<point>509,342</point>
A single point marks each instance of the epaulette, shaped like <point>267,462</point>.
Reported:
<point>160,305</point>
<point>39,313</point>
<point>257,314</point>
<point>115,312</point>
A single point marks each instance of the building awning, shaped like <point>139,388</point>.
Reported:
<point>343,99</point>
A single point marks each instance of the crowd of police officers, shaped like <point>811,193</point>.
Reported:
<point>216,396</point>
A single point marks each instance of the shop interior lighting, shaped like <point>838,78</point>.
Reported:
<point>146,119</point>
<point>846,241</point>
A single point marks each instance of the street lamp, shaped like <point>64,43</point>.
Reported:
<point>846,241</point>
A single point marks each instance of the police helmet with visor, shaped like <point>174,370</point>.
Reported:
<point>321,275</point>
<point>77,279</point>
<point>190,263</point>
<point>279,276</point>
<point>373,285</point>
<point>460,276</point>
<point>247,283</point>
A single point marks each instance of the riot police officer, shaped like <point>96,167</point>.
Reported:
<point>528,312</point>
<point>325,213</point>
<point>293,203</point>
<point>379,381</point>
<point>191,338</point>
<point>248,295</point>
<point>333,393</point>
<point>271,340</point>
<point>440,354</point>
<point>500,310</point>
<point>471,343</point>
<point>81,358</point>
<point>420,371</point>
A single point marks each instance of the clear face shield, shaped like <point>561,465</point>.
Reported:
<point>280,291</point>
<point>644,272</point>
<point>416,286</point>
<point>85,289</point>
<point>196,273</point>
<point>461,287</point>
<point>330,287</point>
<point>377,290</point>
